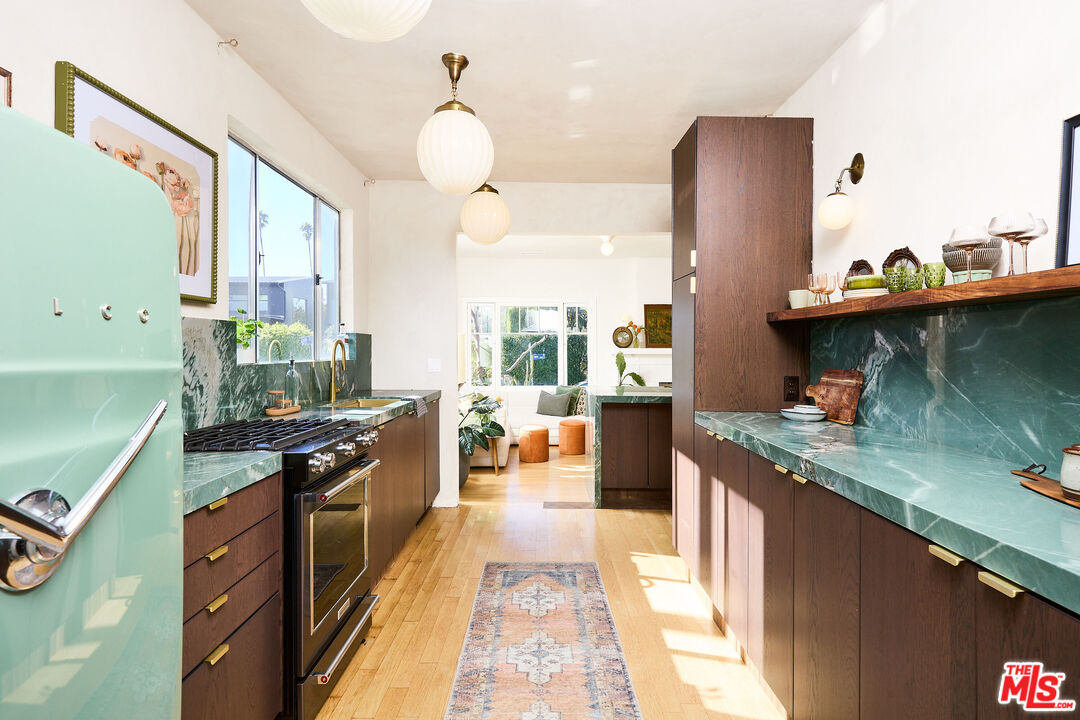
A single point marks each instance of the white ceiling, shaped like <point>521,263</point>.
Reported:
<point>571,90</point>
<point>526,246</point>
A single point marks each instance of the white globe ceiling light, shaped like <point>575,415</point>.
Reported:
<point>454,149</point>
<point>369,20</point>
<point>485,218</point>
<point>837,210</point>
<point>606,247</point>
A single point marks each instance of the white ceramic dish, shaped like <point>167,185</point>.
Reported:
<point>803,416</point>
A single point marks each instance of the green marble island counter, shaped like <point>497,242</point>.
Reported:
<point>626,395</point>
<point>210,476</point>
<point>970,504</point>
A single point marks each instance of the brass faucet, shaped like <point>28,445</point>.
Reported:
<point>333,365</point>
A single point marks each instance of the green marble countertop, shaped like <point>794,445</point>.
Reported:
<point>210,476</point>
<point>970,504</point>
<point>630,394</point>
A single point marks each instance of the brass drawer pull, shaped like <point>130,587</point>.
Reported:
<point>780,469</point>
<point>216,603</point>
<point>798,478</point>
<point>216,553</point>
<point>219,652</point>
<point>946,555</point>
<point>1000,584</point>
<point>218,503</point>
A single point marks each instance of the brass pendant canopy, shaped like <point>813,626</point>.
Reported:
<point>455,64</point>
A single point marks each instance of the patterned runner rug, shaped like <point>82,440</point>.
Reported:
<point>542,645</point>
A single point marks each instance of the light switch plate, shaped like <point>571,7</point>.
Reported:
<point>434,365</point>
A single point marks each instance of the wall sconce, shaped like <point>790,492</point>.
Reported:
<point>837,209</point>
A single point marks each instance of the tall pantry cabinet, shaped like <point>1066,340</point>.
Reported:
<point>742,206</point>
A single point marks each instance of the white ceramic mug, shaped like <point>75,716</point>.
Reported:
<point>1070,471</point>
<point>798,298</point>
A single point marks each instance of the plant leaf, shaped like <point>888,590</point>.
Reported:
<point>636,378</point>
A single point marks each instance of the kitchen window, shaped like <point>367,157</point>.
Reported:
<point>527,344</point>
<point>283,261</point>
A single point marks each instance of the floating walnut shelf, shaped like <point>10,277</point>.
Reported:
<point>1029,286</point>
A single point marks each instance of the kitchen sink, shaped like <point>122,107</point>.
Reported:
<point>366,403</point>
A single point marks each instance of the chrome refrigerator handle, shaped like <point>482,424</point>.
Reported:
<point>41,524</point>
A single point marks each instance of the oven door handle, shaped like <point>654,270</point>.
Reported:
<point>361,470</point>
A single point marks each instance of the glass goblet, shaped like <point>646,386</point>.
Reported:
<point>1011,227</point>
<point>1038,231</point>
<point>967,238</point>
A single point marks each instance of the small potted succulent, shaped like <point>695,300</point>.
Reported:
<point>476,428</point>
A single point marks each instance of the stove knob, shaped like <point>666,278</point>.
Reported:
<point>329,459</point>
<point>315,463</point>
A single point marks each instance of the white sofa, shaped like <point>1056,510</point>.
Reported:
<point>520,404</point>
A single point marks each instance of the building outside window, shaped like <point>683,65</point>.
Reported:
<point>527,344</point>
<point>283,261</point>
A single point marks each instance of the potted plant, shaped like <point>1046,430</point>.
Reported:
<point>476,426</point>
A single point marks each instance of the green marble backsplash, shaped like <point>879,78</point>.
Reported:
<point>998,380</point>
<point>217,389</point>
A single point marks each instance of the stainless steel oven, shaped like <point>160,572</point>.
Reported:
<point>332,546</point>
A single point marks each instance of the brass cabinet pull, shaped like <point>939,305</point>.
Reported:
<point>1000,584</point>
<point>946,555</point>
<point>798,478</point>
<point>780,469</point>
<point>219,652</point>
<point>218,503</point>
<point>216,603</point>
<point>216,553</point>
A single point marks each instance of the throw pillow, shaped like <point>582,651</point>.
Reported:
<point>576,393</point>
<point>549,404</point>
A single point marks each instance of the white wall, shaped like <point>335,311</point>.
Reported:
<point>958,107</point>
<point>613,286</point>
<point>163,56</point>
<point>413,282</point>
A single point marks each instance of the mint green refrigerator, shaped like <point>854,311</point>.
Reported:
<point>90,435</point>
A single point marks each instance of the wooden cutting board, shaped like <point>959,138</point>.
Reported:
<point>837,393</point>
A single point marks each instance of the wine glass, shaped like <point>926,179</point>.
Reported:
<point>1038,231</point>
<point>967,238</point>
<point>1011,227</point>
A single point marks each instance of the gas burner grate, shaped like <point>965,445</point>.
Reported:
<point>257,434</point>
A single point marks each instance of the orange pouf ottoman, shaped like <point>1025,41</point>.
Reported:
<point>533,444</point>
<point>571,437</point>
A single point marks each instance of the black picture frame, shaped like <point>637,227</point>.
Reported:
<point>1068,188</point>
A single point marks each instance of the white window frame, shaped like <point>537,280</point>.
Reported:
<point>316,260</point>
<point>500,303</point>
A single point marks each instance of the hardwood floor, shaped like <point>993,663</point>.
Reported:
<point>680,663</point>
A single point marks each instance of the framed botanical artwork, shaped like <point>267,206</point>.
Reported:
<point>5,85</point>
<point>658,326</point>
<point>1068,247</point>
<point>182,167</point>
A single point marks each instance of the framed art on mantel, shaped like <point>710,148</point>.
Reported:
<point>182,167</point>
<point>658,326</point>
<point>1068,248</point>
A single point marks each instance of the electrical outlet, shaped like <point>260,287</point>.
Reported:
<point>791,388</point>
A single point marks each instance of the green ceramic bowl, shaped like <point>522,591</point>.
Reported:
<point>863,282</point>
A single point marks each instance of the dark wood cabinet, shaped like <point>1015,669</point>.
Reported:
<point>232,634</point>
<point>682,414</point>
<point>736,479</point>
<point>683,204</point>
<point>826,577</point>
<point>769,640</point>
<point>624,432</point>
<point>431,453</point>
<point>659,447</point>
<point>917,649</point>
<point>1025,627</point>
